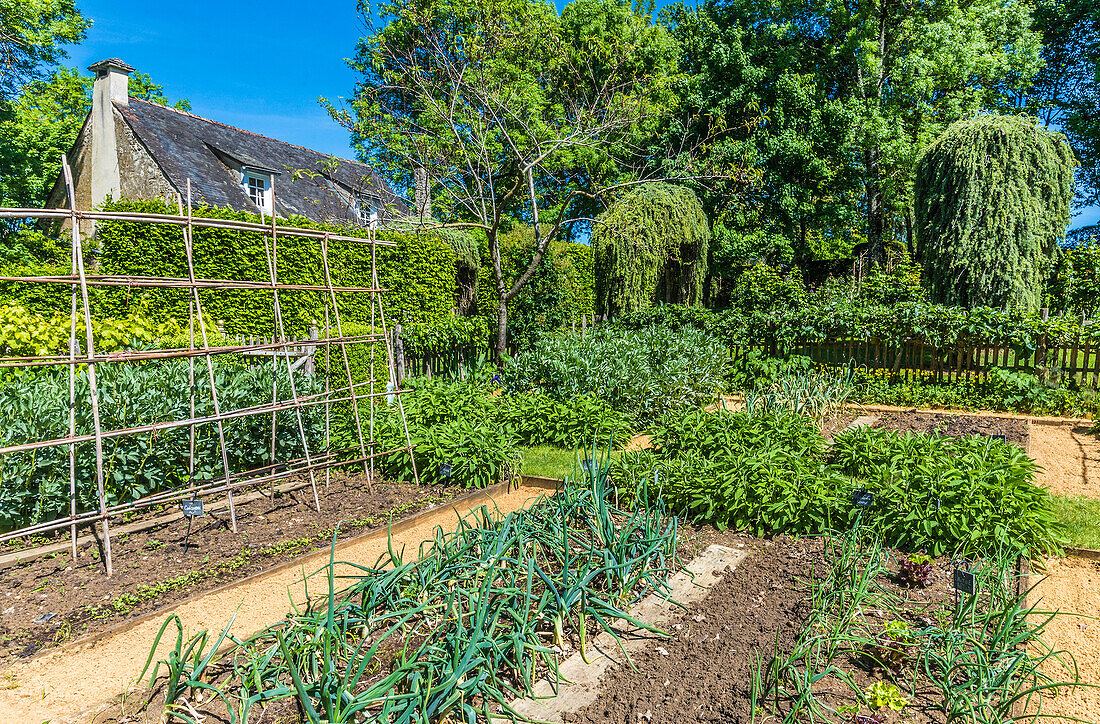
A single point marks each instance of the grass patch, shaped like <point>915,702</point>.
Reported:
<point>1081,517</point>
<point>550,462</point>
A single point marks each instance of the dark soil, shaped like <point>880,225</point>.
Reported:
<point>1014,430</point>
<point>712,650</point>
<point>152,571</point>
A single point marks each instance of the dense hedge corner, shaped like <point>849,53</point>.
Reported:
<point>650,246</point>
<point>419,274</point>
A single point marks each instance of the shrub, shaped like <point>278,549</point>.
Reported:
<point>643,373</point>
<point>768,473</point>
<point>948,494</point>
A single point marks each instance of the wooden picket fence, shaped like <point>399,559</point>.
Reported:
<point>912,359</point>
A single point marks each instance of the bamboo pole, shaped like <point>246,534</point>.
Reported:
<point>189,254</point>
<point>389,357</point>
<point>273,266</point>
<point>93,389</point>
<point>344,352</point>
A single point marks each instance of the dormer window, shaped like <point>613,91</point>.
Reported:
<point>257,185</point>
<point>368,210</point>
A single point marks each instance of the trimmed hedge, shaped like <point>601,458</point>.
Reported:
<point>418,274</point>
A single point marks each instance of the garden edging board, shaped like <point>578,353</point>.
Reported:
<point>69,682</point>
<point>580,686</point>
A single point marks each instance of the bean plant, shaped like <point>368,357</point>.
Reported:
<point>34,406</point>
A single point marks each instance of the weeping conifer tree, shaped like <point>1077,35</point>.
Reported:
<point>650,246</point>
<point>992,200</point>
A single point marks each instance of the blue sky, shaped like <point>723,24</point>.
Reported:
<point>257,65</point>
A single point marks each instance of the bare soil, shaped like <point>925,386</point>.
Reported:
<point>1014,429</point>
<point>54,598</point>
<point>702,672</point>
<point>1070,458</point>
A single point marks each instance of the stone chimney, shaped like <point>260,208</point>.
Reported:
<point>423,198</point>
<point>112,82</point>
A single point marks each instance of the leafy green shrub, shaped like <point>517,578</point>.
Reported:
<point>644,373</point>
<point>538,419</point>
<point>947,493</point>
<point>418,273</point>
<point>769,473</point>
<point>471,453</point>
<point>34,406</point>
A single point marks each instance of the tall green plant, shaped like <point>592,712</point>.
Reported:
<point>650,246</point>
<point>993,198</point>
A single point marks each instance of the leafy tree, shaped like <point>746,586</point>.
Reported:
<point>650,246</point>
<point>848,94</point>
<point>32,36</point>
<point>514,111</point>
<point>1066,91</point>
<point>993,196</point>
<point>1075,286</point>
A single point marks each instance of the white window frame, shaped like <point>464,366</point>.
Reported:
<point>372,216</point>
<point>251,176</point>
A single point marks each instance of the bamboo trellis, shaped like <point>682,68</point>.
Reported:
<point>278,347</point>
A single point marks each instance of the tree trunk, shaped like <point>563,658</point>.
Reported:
<point>876,213</point>
<point>501,347</point>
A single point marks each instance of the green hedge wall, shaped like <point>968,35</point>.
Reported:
<point>418,274</point>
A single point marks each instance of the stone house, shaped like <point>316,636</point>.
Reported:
<point>135,149</point>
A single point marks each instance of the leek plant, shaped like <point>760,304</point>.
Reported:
<point>470,622</point>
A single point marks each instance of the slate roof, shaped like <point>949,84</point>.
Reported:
<point>186,146</point>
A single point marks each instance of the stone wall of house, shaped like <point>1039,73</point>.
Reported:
<point>139,175</point>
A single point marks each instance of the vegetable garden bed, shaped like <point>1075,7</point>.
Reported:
<point>51,599</point>
<point>827,630</point>
<point>1014,430</point>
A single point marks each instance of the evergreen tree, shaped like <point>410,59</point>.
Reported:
<point>650,246</point>
<point>993,199</point>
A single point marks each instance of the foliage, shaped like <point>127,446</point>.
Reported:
<point>882,695</point>
<point>446,335</point>
<point>768,473</point>
<point>34,485</point>
<point>1075,286</point>
<point>763,288</point>
<point>32,36</point>
<point>418,273</point>
<point>969,493</point>
<point>491,603</point>
<point>814,395</point>
<point>24,333</point>
<point>514,111</point>
<point>832,103</point>
<point>1005,390</point>
<point>539,419</point>
<point>839,319</point>
<point>465,436</point>
<point>642,373</point>
<point>560,290</point>
<point>1066,89</point>
<point>915,571</point>
<point>992,201</point>
<point>650,246</point>
<point>979,659</point>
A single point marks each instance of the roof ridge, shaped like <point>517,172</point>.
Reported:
<point>243,130</point>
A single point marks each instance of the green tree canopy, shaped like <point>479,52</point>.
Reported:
<point>515,112</point>
<point>993,197</point>
<point>650,246</point>
<point>32,36</point>
<point>837,99</point>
